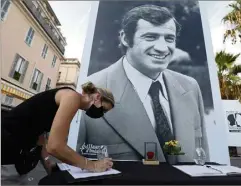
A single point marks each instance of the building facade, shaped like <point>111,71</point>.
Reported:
<point>68,73</point>
<point>32,47</point>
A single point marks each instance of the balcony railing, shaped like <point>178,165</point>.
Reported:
<point>37,15</point>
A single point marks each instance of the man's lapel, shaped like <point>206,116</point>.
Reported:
<point>182,115</point>
<point>129,118</point>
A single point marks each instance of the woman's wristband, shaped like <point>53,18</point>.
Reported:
<point>86,163</point>
<point>46,158</point>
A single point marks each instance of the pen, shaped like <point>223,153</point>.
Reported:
<point>208,166</point>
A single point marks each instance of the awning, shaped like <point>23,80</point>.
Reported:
<point>15,92</point>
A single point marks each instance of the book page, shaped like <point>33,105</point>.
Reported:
<point>77,172</point>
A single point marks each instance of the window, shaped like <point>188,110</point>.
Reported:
<point>54,61</point>
<point>35,3</point>
<point>19,68</point>
<point>59,76</point>
<point>61,41</point>
<point>55,33</point>
<point>233,151</point>
<point>48,84</point>
<point>43,15</point>
<point>4,8</point>
<point>39,10</point>
<point>29,36</point>
<point>36,80</point>
<point>44,52</point>
<point>8,100</point>
<point>77,77</point>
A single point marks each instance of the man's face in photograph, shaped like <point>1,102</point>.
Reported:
<point>153,47</point>
<point>238,119</point>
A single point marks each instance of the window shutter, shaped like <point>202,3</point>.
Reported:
<point>4,8</point>
<point>31,84</point>
<point>28,36</point>
<point>11,73</point>
<point>24,71</point>
<point>40,81</point>
<point>6,5</point>
<point>43,51</point>
<point>32,34</point>
<point>46,51</point>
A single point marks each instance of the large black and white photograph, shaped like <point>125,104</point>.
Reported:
<point>234,121</point>
<point>151,55</point>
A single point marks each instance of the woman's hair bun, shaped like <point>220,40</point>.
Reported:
<point>89,88</point>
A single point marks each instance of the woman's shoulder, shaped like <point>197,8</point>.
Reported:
<point>66,93</point>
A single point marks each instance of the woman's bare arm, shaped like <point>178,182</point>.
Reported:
<point>69,103</point>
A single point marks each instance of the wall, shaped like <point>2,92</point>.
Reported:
<point>14,30</point>
<point>69,72</point>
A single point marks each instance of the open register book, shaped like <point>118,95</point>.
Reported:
<point>81,173</point>
<point>209,170</point>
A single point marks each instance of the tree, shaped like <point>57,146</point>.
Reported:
<point>229,81</point>
<point>233,20</point>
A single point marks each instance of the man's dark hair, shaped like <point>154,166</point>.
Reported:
<point>154,14</point>
<point>231,119</point>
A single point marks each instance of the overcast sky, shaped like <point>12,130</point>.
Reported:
<point>74,17</point>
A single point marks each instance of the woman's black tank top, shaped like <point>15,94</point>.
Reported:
<point>32,118</point>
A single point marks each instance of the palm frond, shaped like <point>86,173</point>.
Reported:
<point>233,20</point>
<point>236,69</point>
<point>225,60</point>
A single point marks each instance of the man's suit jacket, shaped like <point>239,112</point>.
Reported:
<point>127,127</point>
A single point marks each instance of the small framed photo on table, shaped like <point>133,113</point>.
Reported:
<point>151,157</point>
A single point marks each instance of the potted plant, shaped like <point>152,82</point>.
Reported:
<point>172,149</point>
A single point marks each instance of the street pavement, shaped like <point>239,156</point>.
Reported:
<point>35,175</point>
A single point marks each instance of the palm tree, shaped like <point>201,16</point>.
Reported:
<point>230,82</point>
<point>233,19</point>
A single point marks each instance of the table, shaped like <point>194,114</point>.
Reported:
<point>134,172</point>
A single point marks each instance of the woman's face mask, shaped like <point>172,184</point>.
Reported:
<point>95,112</point>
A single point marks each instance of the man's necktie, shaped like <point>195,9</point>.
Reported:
<point>163,129</point>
